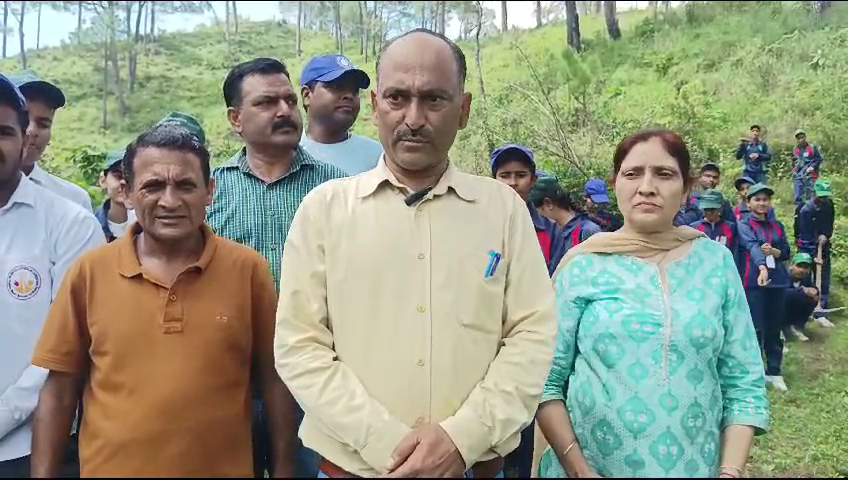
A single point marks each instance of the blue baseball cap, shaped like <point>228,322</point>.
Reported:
<point>596,190</point>
<point>498,154</point>
<point>12,94</point>
<point>328,68</point>
<point>31,83</point>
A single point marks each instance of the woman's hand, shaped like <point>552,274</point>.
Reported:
<point>763,278</point>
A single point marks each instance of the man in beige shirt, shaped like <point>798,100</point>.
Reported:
<point>416,319</point>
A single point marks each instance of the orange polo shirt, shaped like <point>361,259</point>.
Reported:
<point>168,369</point>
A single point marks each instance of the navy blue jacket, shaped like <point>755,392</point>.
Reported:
<point>753,233</point>
<point>578,229</point>
<point>812,222</point>
<point>550,238</point>
<point>744,153</point>
<point>723,232</point>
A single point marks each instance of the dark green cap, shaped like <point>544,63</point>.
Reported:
<point>802,258</point>
<point>759,188</point>
<point>113,158</point>
<point>711,200</point>
<point>186,121</point>
<point>31,84</point>
<point>546,187</point>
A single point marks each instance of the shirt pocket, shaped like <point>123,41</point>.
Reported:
<point>481,282</point>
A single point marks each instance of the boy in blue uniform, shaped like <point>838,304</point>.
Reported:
<point>597,206</point>
<point>556,204</point>
<point>801,296</point>
<point>755,153</point>
<point>816,229</point>
<point>714,225</point>
<point>765,278</point>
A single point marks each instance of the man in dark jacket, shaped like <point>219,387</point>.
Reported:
<point>755,153</point>
<point>598,206</point>
<point>553,202</point>
<point>801,296</point>
<point>816,229</point>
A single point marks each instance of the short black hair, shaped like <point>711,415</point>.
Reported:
<point>711,167</point>
<point>23,113</point>
<point>755,127</point>
<point>257,66</point>
<point>458,55</point>
<point>168,137</point>
<point>561,199</point>
<point>311,86</point>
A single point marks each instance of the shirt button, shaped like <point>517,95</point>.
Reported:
<point>421,256</point>
<point>173,298</point>
<point>273,246</point>
<point>271,213</point>
<point>421,309</point>
<point>420,362</point>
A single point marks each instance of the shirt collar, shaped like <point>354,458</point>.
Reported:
<point>38,175</point>
<point>538,219</point>
<point>25,193</point>
<point>301,158</point>
<point>452,179</point>
<point>129,266</point>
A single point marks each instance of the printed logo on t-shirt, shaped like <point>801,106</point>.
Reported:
<point>23,282</point>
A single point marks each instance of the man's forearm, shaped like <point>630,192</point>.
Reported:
<point>52,426</point>
<point>282,420</point>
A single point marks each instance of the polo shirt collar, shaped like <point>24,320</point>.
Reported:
<point>25,193</point>
<point>452,179</point>
<point>129,266</point>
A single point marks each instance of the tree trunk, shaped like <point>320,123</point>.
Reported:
<point>152,21</point>
<point>299,27</point>
<point>227,21</point>
<point>133,71</point>
<point>572,20</point>
<point>378,32</point>
<point>366,34</point>
<point>113,58</point>
<point>490,145</point>
<point>337,19</point>
<point>5,22</point>
<point>361,27</point>
<point>504,21</point>
<point>599,6</point>
<point>443,16</point>
<point>538,13</point>
<point>235,17</point>
<point>21,35</point>
<point>105,110</point>
<point>79,23</point>
<point>612,20</point>
<point>38,27</point>
<point>423,14</point>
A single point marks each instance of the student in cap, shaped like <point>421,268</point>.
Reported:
<point>816,229</point>
<point>801,296</point>
<point>765,248</point>
<point>186,121</point>
<point>741,210</point>
<point>331,88</point>
<point>43,100</point>
<point>709,179</point>
<point>597,206</point>
<point>714,225</point>
<point>41,236</point>
<point>514,165</point>
<point>755,153</point>
<point>116,214</point>
<point>553,202</point>
<point>807,163</point>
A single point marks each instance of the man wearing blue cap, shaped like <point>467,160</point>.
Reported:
<point>41,236</point>
<point>514,165</point>
<point>330,87</point>
<point>597,204</point>
<point>43,99</point>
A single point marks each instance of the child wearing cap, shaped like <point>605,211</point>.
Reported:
<point>815,229</point>
<point>741,210</point>
<point>597,206</point>
<point>764,275</point>
<point>556,204</point>
<point>801,296</point>
<point>115,215</point>
<point>714,225</point>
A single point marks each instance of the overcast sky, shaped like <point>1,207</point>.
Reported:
<point>56,26</point>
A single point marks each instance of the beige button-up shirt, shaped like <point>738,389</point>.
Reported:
<point>392,317</point>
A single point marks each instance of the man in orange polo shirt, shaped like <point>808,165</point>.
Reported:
<point>167,380</point>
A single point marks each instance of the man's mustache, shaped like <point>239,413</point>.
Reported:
<point>283,123</point>
<point>421,135</point>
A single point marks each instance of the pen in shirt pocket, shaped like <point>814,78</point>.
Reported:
<point>494,260</point>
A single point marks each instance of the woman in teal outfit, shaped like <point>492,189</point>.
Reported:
<point>657,371</point>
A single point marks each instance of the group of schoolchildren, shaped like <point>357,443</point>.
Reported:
<point>783,289</point>
<point>781,298</point>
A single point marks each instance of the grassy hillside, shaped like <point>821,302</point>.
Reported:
<point>708,70</point>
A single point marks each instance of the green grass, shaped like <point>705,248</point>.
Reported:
<point>809,438</point>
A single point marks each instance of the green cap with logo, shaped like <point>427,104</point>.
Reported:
<point>799,132</point>
<point>31,84</point>
<point>802,259</point>
<point>113,160</point>
<point>759,188</point>
<point>546,186</point>
<point>711,200</point>
<point>186,121</point>
<point>822,188</point>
